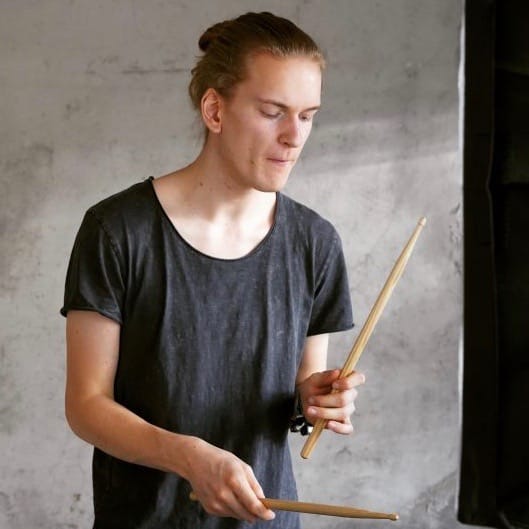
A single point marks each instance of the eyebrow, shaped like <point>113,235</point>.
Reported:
<point>285,107</point>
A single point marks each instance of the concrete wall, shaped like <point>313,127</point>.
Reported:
<point>93,99</point>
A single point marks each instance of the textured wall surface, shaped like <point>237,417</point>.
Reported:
<point>94,99</point>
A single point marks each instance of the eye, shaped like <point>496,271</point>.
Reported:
<point>307,117</point>
<point>270,115</point>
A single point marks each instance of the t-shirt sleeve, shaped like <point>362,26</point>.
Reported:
<point>95,277</point>
<point>331,310</point>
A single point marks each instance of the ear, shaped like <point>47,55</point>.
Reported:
<point>210,106</point>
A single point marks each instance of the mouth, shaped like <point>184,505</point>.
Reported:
<point>282,161</point>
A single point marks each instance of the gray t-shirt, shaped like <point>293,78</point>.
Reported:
<point>209,347</point>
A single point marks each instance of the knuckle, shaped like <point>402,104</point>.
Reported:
<point>349,410</point>
<point>232,481</point>
<point>222,496</point>
<point>351,383</point>
<point>213,507</point>
<point>343,400</point>
<point>345,416</point>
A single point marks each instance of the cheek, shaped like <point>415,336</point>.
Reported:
<point>306,132</point>
<point>259,139</point>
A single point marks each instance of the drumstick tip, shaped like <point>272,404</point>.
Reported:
<point>422,221</point>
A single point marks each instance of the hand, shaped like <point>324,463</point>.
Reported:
<point>225,485</point>
<point>324,396</point>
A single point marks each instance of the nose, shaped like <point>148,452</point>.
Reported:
<point>291,133</point>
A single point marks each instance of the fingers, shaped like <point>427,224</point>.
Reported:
<point>338,419</point>
<point>349,382</point>
<point>336,406</point>
<point>237,503</point>
<point>342,395</point>
<point>226,503</point>
<point>240,502</point>
<point>249,497</point>
<point>323,380</point>
<point>343,428</point>
<point>236,495</point>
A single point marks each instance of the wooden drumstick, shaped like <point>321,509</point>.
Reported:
<point>366,331</point>
<point>320,508</point>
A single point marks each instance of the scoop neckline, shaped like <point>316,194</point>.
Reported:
<point>251,253</point>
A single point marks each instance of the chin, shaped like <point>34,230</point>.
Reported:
<point>273,185</point>
<point>275,181</point>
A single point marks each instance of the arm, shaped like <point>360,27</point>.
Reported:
<point>224,484</point>
<point>315,386</point>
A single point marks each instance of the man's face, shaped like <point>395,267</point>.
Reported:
<point>267,119</point>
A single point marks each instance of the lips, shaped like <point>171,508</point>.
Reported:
<point>281,160</point>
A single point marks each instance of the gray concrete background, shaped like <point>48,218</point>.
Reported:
<point>93,99</point>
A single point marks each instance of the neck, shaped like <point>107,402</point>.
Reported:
<point>207,187</point>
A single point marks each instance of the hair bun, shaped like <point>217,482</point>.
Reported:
<point>211,34</point>
<point>225,46</point>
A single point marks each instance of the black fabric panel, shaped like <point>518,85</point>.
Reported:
<point>477,490</point>
<point>511,213</point>
<point>494,487</point>
<point>510,197</point>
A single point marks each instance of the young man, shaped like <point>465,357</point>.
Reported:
<point>199,302</point>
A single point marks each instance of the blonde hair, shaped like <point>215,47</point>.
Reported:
<point>227,46</point>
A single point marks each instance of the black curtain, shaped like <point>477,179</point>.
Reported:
<point>494,484</point>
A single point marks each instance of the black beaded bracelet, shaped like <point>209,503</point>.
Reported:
<point>298,421</point>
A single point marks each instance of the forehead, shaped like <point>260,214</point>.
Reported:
<point>294,81</point>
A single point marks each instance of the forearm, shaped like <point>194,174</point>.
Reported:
<point>313,357</point>
<point>111,427</point>
<point>224,484</point>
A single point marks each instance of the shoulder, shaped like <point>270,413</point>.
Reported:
<point>127,204</point>
<point>306,224</point>
<point>126,212</point>
<point>120,216</point>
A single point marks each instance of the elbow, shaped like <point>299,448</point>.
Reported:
<point>74,413</point>
<point>84,415</point>
<point>70,415</point>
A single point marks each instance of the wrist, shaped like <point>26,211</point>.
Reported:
<point>298,421</point>
<point>178,452</point>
